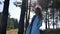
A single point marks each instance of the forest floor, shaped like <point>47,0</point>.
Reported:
<point>12,31</point>
<point>48,31</point>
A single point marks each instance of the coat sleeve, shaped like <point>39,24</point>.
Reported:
<point>39,23</point>
<point>28,29</point>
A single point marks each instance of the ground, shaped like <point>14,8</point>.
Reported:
<point>48,31</point>
<point>12,31</point>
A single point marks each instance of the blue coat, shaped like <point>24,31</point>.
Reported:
<point>35,27</point>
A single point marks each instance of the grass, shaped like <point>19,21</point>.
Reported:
<point>12,31</point>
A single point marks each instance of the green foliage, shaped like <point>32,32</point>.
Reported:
<point>15,23</point>
<point>12,23</point>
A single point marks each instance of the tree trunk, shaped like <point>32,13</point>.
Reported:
<point>26,16</point>
<point>53,18</point>
<point>46,20</point>
<point>21,22</point>
<point>27,22</point>
<point>59,14</point>
<point>4,17</point>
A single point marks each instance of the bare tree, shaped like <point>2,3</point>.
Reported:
<point>21,22</point>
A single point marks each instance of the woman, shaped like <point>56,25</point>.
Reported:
<point>36,23</point>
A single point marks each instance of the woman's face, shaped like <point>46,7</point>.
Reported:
<point>37,11</point>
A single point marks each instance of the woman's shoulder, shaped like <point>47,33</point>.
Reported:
<point>34,16</point>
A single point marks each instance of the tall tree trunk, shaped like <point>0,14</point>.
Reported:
<point>46,20</point>
<point>53,18</point>
<point>59,14</point>
<point>21,22</point>
<point>27,22</point>
<point>4,17</point>
<point>26,16</point>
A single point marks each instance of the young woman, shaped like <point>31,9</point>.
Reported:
<point>36,22</point>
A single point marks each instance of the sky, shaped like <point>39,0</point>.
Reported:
<point>14,11</point>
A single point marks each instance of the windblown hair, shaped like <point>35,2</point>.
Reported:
<point>39,12</point>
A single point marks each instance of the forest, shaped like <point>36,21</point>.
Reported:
<point>50,11</point>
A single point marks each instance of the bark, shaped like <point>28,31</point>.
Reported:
<point>4,17</point>
<point>46,20</point>
<point>21,22</point>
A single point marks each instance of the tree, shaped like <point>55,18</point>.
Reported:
<point>12,23</point>
<point>15,23</point>
<point>44,3</point>
<point>4,17</point>
<point>0,17</point>
<point>21,22</point>
<point>59,14</point>
<point>56,3</point>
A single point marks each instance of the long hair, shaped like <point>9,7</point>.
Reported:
<point>38,12</point>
